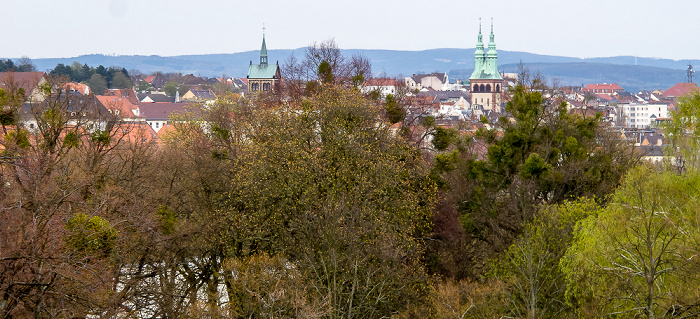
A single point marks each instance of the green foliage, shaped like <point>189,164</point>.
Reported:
<point>337,194</point>
<point>444,137</point>
<point>10,102</point>
<point>170,88</point>
<point>543,155</point>
<point>121,81</point>
<point>683,132</point>
<point>102,137</point>
<point>19,138</point>
<point>71,139</point>
<point>530,267</point>
<point>144,87</point>
<point>358,79</point>
<point>97,83</point>
<point>394,112</point>
<point>325,72</point>
<point>534,166</point>
<point>637,256</point>
<point>7,65</point>
<point>168,219</point>
<point>90,235</point>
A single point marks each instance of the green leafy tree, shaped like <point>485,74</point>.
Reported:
<point>543,155</point>
<point>144,87</point>
<point>530,268</point>
<point>637,256</point>
<point>322,185</point>
<point>97,83</point>
<point>683,132</point>
<point>26,65</point>
<point>170,88</point>
<point>7,65</point>
<point>325,72</point>
<point>121,81</point>
<point>394,112</point>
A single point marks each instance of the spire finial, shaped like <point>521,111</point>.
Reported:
<point>479,25</point>
<point>491,25</point>
<point>263,29</point>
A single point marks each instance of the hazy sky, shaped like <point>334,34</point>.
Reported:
<point>593,28</point>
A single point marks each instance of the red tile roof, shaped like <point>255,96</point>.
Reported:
<point>381,82</point>
<point>603,87</point>
<point>25,80</point>
<point>682,89</point>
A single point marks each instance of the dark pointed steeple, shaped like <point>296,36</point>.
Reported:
<point>263,50</point>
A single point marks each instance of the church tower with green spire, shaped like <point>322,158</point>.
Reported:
<point>263,77</point>
<point>486,83</point>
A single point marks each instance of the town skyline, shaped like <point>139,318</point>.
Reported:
<point>171,28</point>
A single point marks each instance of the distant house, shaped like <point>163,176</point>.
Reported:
<point>432,81</point>
<point>160,115</point>
<point>30,82</point>
<point>681,89</point>
<point>198,95</point>
<point>156,81</point>
<point>240,83</point>
<point>384,86</point>
<point>453,104</point>
<point>121,107</point>
<point>154,98</point>
<point>263,77</point>
<point>77,88</point>
<point>604,88</point>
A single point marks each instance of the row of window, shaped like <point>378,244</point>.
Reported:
<point>256,86</point>
<point>485,88</point>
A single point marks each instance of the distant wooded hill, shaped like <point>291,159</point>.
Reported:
<point>631,73</point>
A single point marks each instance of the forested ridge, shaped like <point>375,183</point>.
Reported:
<point>324,202</point>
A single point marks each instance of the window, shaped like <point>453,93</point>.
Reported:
<point>488,87</point>
<point>255,86</point>
<point>481,89</point>
<point>476,88</point>
<point>266,87</point>
<point>498,88</point>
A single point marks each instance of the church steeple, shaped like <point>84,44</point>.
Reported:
<point>478,55</point>
<point>263,51</point>
<point>491,67</point>
<point>492,43</point>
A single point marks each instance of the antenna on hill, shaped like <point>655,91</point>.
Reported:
<point>690,72</point>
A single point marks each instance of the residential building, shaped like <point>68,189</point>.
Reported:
<point>160,115</point>
<point>681,89</point>
<point>424,82</point>
<point>643,115</point>
<point>604,88</point>
<point>198,95</point>
<point>30,82</point>
<point>384,86</point>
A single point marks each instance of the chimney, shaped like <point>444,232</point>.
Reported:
<point>177,96</point>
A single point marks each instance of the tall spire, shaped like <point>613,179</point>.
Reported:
<point>491,65</point>
<point>263,50</point>
<point>492,42</point>
<point>480,42</point>
<point>478,56</point>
